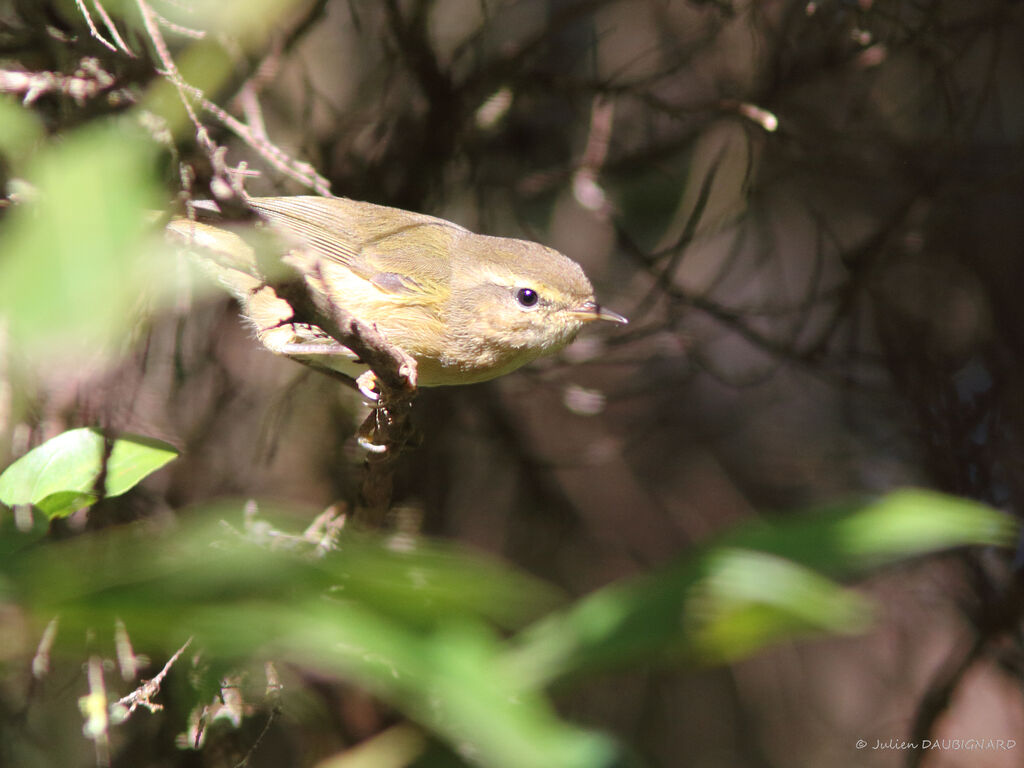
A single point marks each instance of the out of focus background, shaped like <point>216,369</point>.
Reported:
<point>811,212</point>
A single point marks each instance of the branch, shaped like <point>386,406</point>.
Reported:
<point>88,80</point>
<point>143,695</point>
<point>299,171</point>
<point>387,431</point>
<point>996,618</point>
<point>940,692</point>
<point>394,368</point>
<point>390,380</point>
<point>92,26</point>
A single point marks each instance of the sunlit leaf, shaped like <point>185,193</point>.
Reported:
<point>61,475</point>
<point>903,524</point>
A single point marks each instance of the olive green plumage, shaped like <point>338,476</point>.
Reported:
<point>467,307</point>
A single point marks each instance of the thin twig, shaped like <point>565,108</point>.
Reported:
<point>88,81</point>
<point>41,661</point>
<point>92,27</point>
<point>253,135</point>
<point>143,695</point>
<point>112,29</point>
<point>152,24</point>
<point>248,99</point>
<point>259,739</point>
<point>586,189</point>
<point>302,172</point>
<point>195,34</point>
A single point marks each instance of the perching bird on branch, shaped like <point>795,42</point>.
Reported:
<point>465,307</point>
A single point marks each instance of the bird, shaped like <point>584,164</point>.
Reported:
<point>466,307</point>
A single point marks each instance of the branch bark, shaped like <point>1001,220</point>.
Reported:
<point>387,430</point>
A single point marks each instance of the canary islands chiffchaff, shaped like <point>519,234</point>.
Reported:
<point>466,307</point>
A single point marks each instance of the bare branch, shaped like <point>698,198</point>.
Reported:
<point>92,27</point>
<point>41,661</point>
<point>143,695</point>
<point>112,29</point>
<point>388,424</point>
<point>89,80</point>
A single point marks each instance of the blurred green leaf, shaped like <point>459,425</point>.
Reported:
<point>753,586</point>
<point>422,640</point>
<point>70,260</point>
<point>251,20</point>
<point>212,564</point>
<point>715,606</point>
<point>442,582</point>
<point>60,476</point>
<point>14,537</point>
<point>20,129</point>
<point>749,599</point>
<point>451,681</point>
<point>416,624</point>
<point>397,747</point>
<point>853,538</point>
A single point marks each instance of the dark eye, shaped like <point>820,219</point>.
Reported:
<point>527,297</point>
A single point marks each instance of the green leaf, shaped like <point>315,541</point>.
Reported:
<point>64,503</point>
<point>60,476</point>
<point>452,681</point>
<point>756,585</point>
<point>719,605</point>
<point>20,129</point>
<point>750,599</point>
<point>392,621</point>
<point>853,538</point>
<point>71,259</point>
<point>419,626</point>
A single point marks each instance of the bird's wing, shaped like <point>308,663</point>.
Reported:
<point>385,246</point>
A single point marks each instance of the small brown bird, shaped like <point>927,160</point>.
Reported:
<point>466,307</point>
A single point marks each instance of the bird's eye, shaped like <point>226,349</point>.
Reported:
<point>527,298</point>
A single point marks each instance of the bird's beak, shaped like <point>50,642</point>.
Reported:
<point>591,310</point>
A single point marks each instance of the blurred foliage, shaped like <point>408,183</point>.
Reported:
<point>417,623</point>
<point>756,586</point>
<point>75,244</point>
<point>19,131</point>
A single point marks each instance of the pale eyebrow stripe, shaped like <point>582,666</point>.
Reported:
<point>507,280</point>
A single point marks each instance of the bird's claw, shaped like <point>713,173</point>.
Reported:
<point>367,383</point>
